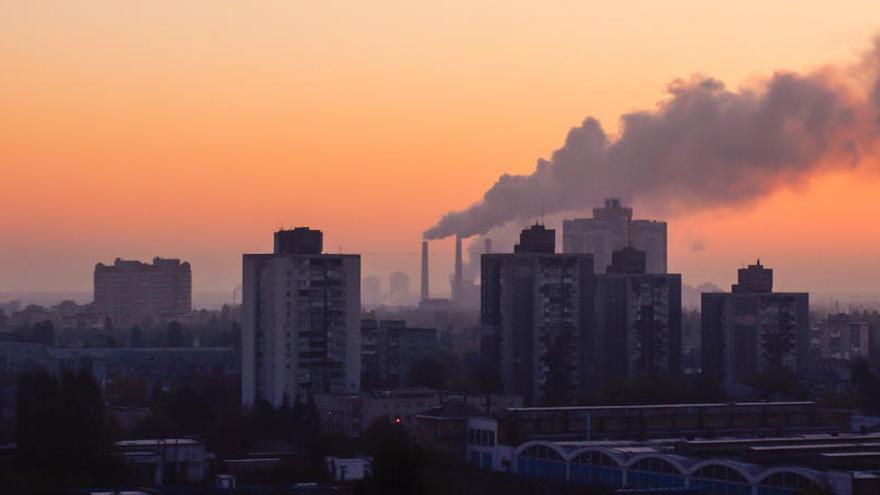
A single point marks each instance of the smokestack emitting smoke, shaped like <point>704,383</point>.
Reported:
<point>457,278</point>
<point>425,289</point>
<point>705,146</point>
<point>487,246</point>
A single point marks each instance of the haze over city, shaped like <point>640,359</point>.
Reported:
<point>192,130</point>
<point>580,247</point>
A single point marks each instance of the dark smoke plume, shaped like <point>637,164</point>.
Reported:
<point>705,146</point>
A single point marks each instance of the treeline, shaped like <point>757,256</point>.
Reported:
<point>63,435</point>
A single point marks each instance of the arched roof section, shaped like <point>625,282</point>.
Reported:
<point>619,460</point>
<point>804,473</point>
<point>673,461</point>
<point>737,468</point>
<point>538,443</point>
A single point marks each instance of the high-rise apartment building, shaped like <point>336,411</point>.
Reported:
<point>752,329</point>
<point>131,289</point>
<point>537,312</point>
<point>638,321</point>
<point>612,228</point>
<point>300,320</point>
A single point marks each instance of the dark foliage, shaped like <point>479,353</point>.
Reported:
<point>63,434</point>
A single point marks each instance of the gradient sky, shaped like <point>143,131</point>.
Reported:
<point>194,129</point>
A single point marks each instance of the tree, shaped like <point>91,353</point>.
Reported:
<point>866,385</point>
<point>190,412</point>
<point>137,336</point>
<point>174,334</point>
<point>62,432</point>
<point>428,372</point>
<point>396,460</point>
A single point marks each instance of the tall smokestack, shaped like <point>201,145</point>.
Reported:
<point>487,247</point>
<point>425,292</point>
<point>457,281</point>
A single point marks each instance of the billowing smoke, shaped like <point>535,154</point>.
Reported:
<point>705,146</point>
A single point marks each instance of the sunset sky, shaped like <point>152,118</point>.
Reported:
<point>194,129</point>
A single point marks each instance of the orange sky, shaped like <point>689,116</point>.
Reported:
<point>193,129</point>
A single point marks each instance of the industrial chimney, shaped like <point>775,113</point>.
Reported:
<point>425,292</point>
<point>457,280</point>
<point>487,246</point>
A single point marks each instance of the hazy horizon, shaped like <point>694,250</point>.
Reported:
<point>194,131</point>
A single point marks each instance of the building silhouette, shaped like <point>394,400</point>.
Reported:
<point>371,291</point>
<point>537,314</point>
<point>752,330</point>
<point>389,349</point>
<point>398,286</point>
<point>612,228</point>
<point>638,321</point>
<point>300,320</point>
<point>131,290</point>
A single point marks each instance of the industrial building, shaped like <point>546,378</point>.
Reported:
<point>739,449</point>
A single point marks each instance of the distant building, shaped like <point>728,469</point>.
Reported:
<point>371,291</point>
<point>840,338</point>
<point>300,320</point>
<point>638,321</point>
<point>537,310</point>
<point>389,349</point>
<point>132,289</point>
<point>753,329</point>
<point>612,228</point>
<point>398,287</point>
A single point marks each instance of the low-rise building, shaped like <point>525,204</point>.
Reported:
<point>165,460</point>
<point>839,338</point>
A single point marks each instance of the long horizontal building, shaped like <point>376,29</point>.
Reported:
<point>732,460</point>
<point>639,422</point>
<point>673,466</point>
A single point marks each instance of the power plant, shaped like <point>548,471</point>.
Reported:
<point>457,283</point>
<point>426,292</point>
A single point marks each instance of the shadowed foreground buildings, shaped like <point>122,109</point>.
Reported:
<point>390,349</point>
<point>638,320</point>
<point>752,330</point>
<point>129,290</point>
<point>558,333</point>
<point>300,320</point>
<point>537,309</point>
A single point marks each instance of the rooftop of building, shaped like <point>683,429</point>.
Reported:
<point>665,406</point>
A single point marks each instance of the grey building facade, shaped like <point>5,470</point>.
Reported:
<point>537,314</point>
<point>300,320</point>
<point>611,228</point>
<point>638,321</point>
<point>752,329</point>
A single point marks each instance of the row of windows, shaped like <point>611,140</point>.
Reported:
<point>481,437</point>
<point>653,472</point>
